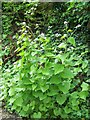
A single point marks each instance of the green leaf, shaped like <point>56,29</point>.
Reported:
<point>67,109</point>
<point>62,45</point>
<point>61,99</point>
<point>85,86</point>
<point>84,64</point>
<point>67,73</point>
<point>26,108</point>
<point>71,40</point>
<point>57,111</point>
<point>55,79</point>
<point>49,54</point>
<point>44,88</point>
<point>11,100</point>
<point>37,115</point>
<point>64,87</point>
<point>83,94</point>
<point>58,68</point>
<point>53,90</point>
<point>11,91</point>
<point>74,95</point>
<point>19,101</point>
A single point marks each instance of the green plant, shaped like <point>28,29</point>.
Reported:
<point>47,78</point>
<point>50,78</point>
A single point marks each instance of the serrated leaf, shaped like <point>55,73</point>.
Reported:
<point>58,68</point>
<point>37,115</point>
<point>85,86</point>
<point>61,99</point>
<point>71,40</point>
<point>67,73</point>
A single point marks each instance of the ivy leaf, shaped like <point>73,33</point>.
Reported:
<point>55,79</point>
<point>44,88</point>
<point>71,40</point>
<point>37,115</point>
<point>83,94</point>
<point>61,99</point>
<point>53,91</point>
<point>64,87</point>
<point>58,68</point>
<point>67,73</point>
<point>67,109</point>
<point>84,86</point>
<point>57,111</point>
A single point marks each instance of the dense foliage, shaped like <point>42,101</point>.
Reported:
<point>45,59</point>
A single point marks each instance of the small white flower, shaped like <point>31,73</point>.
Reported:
<point>78,26</point>
<point>65,22</point>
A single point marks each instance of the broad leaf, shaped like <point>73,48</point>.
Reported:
<point>71,40</point>
<point>84,86</point>
<point>64,87</point>
<point>55,79</point>
<point>37,115</point>
<point>61,99</point>
<point>67,73</point>
<point>19,101</point>
<point>58,68</point>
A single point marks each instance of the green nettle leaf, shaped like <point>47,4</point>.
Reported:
<point>58,68</point>
<point>18,101</point>
<point>71,40</point>
<point>64,87</point>
<point>85,86</point>
<point>37,115</point>
<point>61,99</point>
<point>67,73</point>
